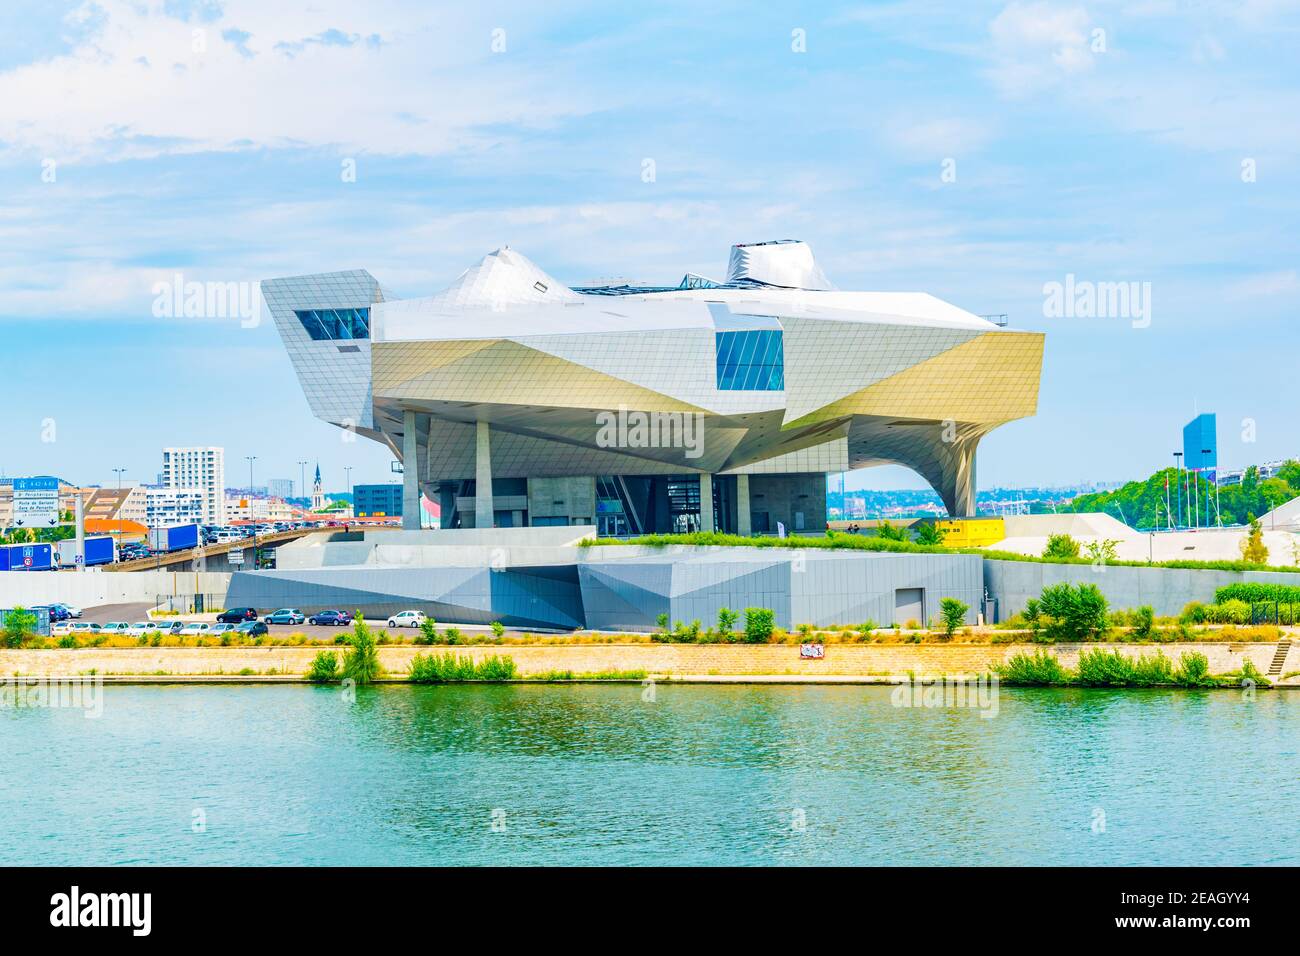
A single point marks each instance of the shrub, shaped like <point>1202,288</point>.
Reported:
<point>453,668</point>
<point>1193,613</point>
<point>68,642</point>
<point>953,613</point>
<point>890,533</point>
<point>1148,671</point>
<point>1061,546</point>
<point>661,620</point>
<point>726,621</point>
<point>1099,668</point>
<point>1076,612</point>
<point>361,663</point>
<point>1040,669</point>
<point>324,668</point>
<point>1253,592</point>
<point>498,628</point>
<point>1194,671</point>
<point>930,534</point>
<point>452,635</point>
<point>19,625</point>
<point>866,627</point>
<point>428,632</point>
<point>1253,550</point>
<point>1231,611</point>
<point>1143,620</point>
<point>760,623</point>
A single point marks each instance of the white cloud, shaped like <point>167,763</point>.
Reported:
<point>359,77</point>
<point>1036,44</point>
<point>1285,282</point>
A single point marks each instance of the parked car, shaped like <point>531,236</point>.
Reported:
<point>407,619</point>
<point>71,610</point>
<point>140,628</point>
<point>61,627</point>
<point>116,627</point>
<point>196,627</point>
<point>222,628</point>
<point>56,612</point>
<point>331,617</point>
<point>286,615</point>
<point>253,628</point>
<point>81,627</point>
<point>237,615</point>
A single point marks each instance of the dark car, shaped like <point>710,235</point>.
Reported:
<point>237,615</point>
<point>330,617</point>
<point>57,612</point>
<point>253,628</point>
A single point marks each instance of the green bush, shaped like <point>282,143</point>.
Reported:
<point>1194,671</point>
<point>324,668</point>
<point>68,642</point>
<point>953,613</point>
<point>452,635</point>
<point>498,628</point>
<point>1099,668</point>
<point>19,625</point>
<point>760,624</point>
<point>1074,612</point>
<point>428,632</point>
<point>1143,619</point>
<point>1039,669</point>
<point>726,621</point>
<point>1061,546</point>
<point>1193,613</point>
<point>452,668</point>
<point>361,662</point>
<point>1231,611</point>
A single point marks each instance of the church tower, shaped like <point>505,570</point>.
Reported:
<point>317,496</point>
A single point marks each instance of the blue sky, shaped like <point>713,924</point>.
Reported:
<point>1114,156</point>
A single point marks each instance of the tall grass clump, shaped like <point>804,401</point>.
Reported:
<point>1039,669</point>
<point>361,662</point>
<point>452,668</point>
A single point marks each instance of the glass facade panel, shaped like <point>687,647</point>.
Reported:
<point>332,324</point>
<point>752,360</point>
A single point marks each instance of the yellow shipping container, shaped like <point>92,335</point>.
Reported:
<point>972,532</point>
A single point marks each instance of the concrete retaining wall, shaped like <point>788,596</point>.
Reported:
<point>1167,590</point>
<point>92,588</point>
<point>673,659</point>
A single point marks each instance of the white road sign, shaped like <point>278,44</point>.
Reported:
<point>36,502</point>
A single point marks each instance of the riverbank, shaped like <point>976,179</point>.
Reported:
<point>765,663</point>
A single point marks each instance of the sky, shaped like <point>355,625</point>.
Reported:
<point>976,151</point>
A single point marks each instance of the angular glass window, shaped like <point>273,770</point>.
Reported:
<point>750,361</point>
<point>333,324</point>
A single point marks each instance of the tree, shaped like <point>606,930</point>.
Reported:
<point>930,534</point>
<point>19,624</point>
<point>1252,548</point>
<point>953,613</point>
<point>1061,546</point>
<point>361,662</point>
<point>1103,551</point>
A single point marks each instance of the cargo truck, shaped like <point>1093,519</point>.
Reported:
<point>101,550</point>
<point>176,538</point>
<point>27,557</point>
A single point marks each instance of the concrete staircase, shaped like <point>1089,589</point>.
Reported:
<point>1279,658</point>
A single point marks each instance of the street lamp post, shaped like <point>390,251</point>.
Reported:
<point>251,459</point>
<point>347,476</point>
<point>302,479</point>
<point>119,509</point>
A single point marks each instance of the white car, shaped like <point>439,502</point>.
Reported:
<point>407,619</point>
<point>61,627</point>
<point>117,627</point>
<point>73,612</point>
<point>196,627</point>
<point>82,627</point>
<point>142,627</point>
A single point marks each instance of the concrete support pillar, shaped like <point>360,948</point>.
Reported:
<point>410,472</point>
<point>963,504</point>
<point>483,512</point>
<point>706,502</point>
<point>743,526</point>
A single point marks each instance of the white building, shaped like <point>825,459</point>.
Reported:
<point>165,507</point>
<point>199,468</point>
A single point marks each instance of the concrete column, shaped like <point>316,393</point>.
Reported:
<point>483,512</point>
<point>743,526</point>
<point>79,519</point>
<point>410,472</point>
<point>706,502</point>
